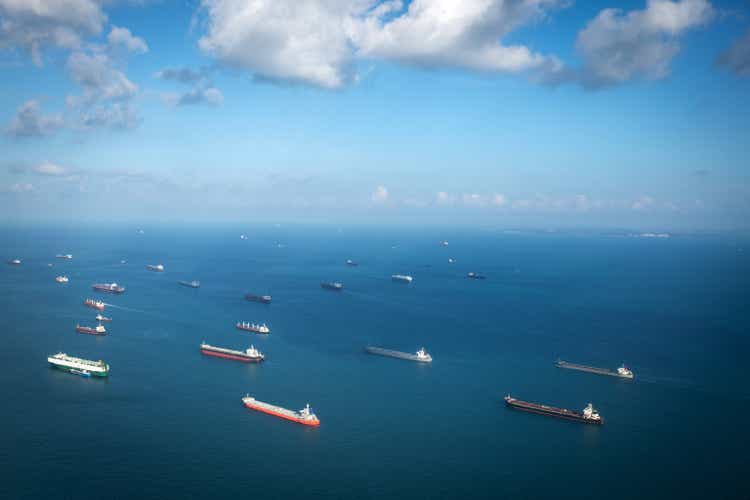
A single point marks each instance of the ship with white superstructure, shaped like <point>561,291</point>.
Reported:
<point>402,278</point>
<point>250,355</point>
<point>305,416</point>
<point>252,327</point>
<point>65,256</point>
<point>94,304</point>
<point>421,355</point>
<point>79,366</point>
<point>108,288</point>
<point>62,279</point>
<point>155,267</point>
<point>621,372</point>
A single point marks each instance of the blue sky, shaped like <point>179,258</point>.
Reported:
<point>540,113</point>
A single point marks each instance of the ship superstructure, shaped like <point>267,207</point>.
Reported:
<point>621,372</point>
<point>72,364</point>
<point>305,416</point>
<point>101,318</point>
<point>420,356</point>
<point>589,415</point>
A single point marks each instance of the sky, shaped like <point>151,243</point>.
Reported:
<point>508,113</point>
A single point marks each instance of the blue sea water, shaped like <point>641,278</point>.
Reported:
<point>168,423</point>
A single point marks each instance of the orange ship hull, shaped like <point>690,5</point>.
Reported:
<point>310,423</point>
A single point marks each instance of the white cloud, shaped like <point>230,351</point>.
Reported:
<point>380,195</point>
<point>202,92</point>
<point>50,169</point>
<point>33,25</point>
<point>737,57</point>
<point>29,121</point>
<point>182,75</point>
<point>454,33</point>
<point>617,46</point>
<point>122,37</point>
<point>317,42</point>
<point>96,73</point>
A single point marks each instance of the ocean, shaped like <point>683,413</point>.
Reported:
<point>169,423</point>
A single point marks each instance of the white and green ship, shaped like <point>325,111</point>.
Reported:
<point>79,366</point>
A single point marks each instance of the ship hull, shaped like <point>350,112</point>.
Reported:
<point>189,284</point>
<point>551,412</point>
<point>396,354</point>
<point>254,298</point>
<point>71,369</point>
<point>251,330</point>
<point>108,290</point>
<point>268,411</point>
<point>94,306</point>
<point>235,357</point>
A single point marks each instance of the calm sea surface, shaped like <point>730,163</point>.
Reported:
<point>168,423</point>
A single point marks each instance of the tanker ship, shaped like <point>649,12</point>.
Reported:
<point>421,355</point>
<point>332,285</point>
<point>79,366</point>
<point>622,371</point>
<point>265,299</point>
<point>98,330</point>
<point>108,287</point>
<point>251,355</point>
<point>191,284</point>
<point>158,267</point>
<point>94,304</point>
<point>65,256</point>
<point>305,416</point>
<point>589,415</point>
<point>252,327</point>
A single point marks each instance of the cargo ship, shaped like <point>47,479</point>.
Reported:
<point>62,361</point>
<point>305,416</point>
<point>94,304</point>
<point>158,267</point>
<point>108,287</point>
<point>191,284</point>
<point>65,256</point>
<point>421,355</point>
<point>621,372</point>
<point>62,279</point>
<point>100,318</point>
<point>402,278</point>
<point>475,276</point>
<point>350,262</point>
<point>98,330</point>
<point>252,327</point>
<point>265,299</point>
<point>251,355</point>
<point>15,262</point>
<point>589,415</point>
<point>332,285</point>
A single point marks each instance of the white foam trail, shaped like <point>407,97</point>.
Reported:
<point>124,308</point>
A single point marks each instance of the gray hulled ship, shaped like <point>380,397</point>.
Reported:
<point>421,355</point>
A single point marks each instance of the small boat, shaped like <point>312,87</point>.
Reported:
<point>65,256</point>
<point>475,276</point>
<point>451,260</point>
<point>402,278</point>
<point>252,327</point>
<point>332,285</point>
<point>101,318</point>
<point>62,279</point>
<point>350,262</point>
<point>191,284</point>
<point>155,267</point>
<point>15,262</point>
<point>243,236</point>
<point>82,373</point>
<point>444,243</point>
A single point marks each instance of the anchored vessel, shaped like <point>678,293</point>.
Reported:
<point>350,262</point>
<point>421,355</point>
<point>475,276</point>
<point>62,279</point>
<point>101,318</point>
<point>108,287</point>
<point>65,256</point>
<point>15,262</point>
<point>251,355</point>
<point>305,416</point>
<point>191,284</point>
<point>589,415</point>
<point>332,285</point>
<point>444,243</point>
<point>98,330</point>
<point>78,366</point>
<point>94,304</point>
<point>403,278</point>
<point>158,267</point>
<point>265,299</point>
<point>621,372</point>
<point>252,327</point>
